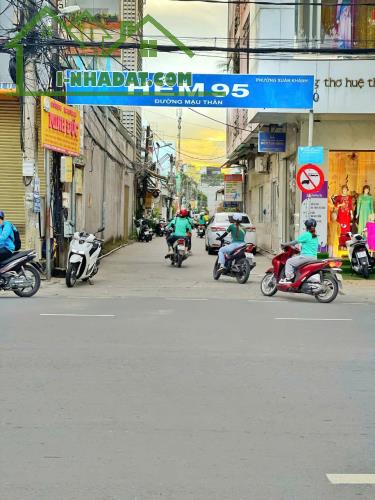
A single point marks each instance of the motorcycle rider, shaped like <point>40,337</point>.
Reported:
<point>6,238</point>
<point>181,225</point>
<point>238,234</point>
<point>309,250</point>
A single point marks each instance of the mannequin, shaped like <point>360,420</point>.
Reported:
<point>333,237</point>
<point>365,207</point>
<point>344,203</point>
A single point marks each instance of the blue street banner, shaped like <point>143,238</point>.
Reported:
<point>269,142</point>
<point>310,154</point>
<point>140,88</point>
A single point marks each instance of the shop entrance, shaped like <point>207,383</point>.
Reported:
<point>351,183</point>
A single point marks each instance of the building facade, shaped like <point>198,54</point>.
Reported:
<point>343,110</point>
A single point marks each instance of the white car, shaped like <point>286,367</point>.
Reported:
<point>218,225</point>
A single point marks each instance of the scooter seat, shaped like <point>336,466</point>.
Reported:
<point>16,255</point>
<point>308,262</point>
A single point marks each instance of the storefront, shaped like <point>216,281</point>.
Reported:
<point>351,182</point>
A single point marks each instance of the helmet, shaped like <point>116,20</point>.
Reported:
<point>2,215</point>
<point>237,217</point>
<point>184,212</point>
<point>310,223</point>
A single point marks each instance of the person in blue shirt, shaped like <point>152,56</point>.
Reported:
<point>6,238</point>
<point>309,250</point>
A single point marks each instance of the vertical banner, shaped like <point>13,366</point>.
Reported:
<point>315,206</point>
<point>233,188</point>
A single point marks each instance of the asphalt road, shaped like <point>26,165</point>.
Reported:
<point>137,392</point>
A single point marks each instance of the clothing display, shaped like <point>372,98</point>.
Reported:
<point>370,226</point>
<point>365,207</point>
<point>344,203</point>
<point>333,237</point>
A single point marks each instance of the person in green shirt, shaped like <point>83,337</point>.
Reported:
<point>181,227</point>
<point>309,250</point>
<point>238,234</point>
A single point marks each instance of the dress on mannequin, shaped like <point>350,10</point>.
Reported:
<point>365,207</point>
<point>344,203</point>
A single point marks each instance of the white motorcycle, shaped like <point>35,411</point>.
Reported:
<point>83,258</point>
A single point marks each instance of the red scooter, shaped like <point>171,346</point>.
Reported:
<point>320,278</point>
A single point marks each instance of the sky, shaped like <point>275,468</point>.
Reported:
<point>201,137</point>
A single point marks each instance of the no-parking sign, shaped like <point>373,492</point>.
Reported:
<point>310,178</point>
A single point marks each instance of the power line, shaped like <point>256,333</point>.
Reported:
<point>281,4</point>
<point>218,121</point>
<point>190,156</point>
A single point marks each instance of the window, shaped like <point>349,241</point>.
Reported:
<point>274,197</point>
<point>261,208</point>
<point>341,24</point>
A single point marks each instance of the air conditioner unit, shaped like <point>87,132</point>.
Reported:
<point>261,164</point>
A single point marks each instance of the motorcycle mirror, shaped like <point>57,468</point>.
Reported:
<point>100,230</point>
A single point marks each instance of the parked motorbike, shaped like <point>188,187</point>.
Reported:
<point>144,232</point>
<point>238,264</point>
<point>320,278</point>
<point>83,258</point>
<point>359,256</point>
<point>19,274</point>
<point>201,230</point>
<point>180,252</point>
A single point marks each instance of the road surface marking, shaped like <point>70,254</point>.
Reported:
<point>186,299</point>
<point>351,478</point>
<point>314,319</point>
<point>80,315</point>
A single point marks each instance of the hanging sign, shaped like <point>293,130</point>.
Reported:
<point>140,88</point>
<point>60,129</point>
<point>310,178</point>
<point>269,142</point>
<point>310,154</point>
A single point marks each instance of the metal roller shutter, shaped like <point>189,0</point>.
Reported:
<point>12,190</point>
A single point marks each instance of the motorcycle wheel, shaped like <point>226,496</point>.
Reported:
<point>268,285</point>
<point>244,274</point>
<point>216,270</point>
<point>180,258</point>
<point>29,291</point>
<point>71,275</point>
<point>332,289</point>
<point>365,272</point>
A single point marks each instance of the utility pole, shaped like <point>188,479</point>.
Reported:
<point>179,126</point>
<point>179,166</point>
<point>32,237</point>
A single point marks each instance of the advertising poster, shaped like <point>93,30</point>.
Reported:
<point>233,188</point>
<point>315,206</point>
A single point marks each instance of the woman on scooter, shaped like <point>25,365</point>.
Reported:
<point>309,250</point>
<point>238,234</point>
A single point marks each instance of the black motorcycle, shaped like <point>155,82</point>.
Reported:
<point>238,264</point>
<point>19,274</point>
<point>359,256</point>
<point>143,230</point>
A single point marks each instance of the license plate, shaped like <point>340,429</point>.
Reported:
<point>339,277</point>
<point>181,247</point>
<point>249,255</point>
<point>361,254</point>
<point>147,232</point>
